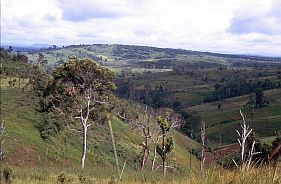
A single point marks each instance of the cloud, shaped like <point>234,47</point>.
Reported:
<point>234,26</point>
<point>267,21</point>
<point>74,10</point>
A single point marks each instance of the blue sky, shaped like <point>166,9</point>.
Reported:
<point>228,26</point>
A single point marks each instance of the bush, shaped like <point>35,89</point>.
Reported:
<point>82,178</point>
<point>7,174</point>
<point>62,178</point>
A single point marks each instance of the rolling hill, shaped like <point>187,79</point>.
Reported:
<point>25,146</point>
<point>124,56</point>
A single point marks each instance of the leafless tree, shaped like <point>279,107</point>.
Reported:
<point>203,136</point>
<point>143,123</point>
<point>155,141</point>
<point>246,161</point>
<point>2,140</point>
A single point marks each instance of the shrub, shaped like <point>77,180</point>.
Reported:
<point>62,178</point>
<point>82,178</point>
<point>7,174</point>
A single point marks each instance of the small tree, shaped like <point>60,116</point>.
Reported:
<point>142,122</point>
<point>142,119</point>
<point>167,144</point>
<point>259,98</point>
<point>246,161</point>
<point>203,136</point>
<point>2,140</point>
<point>80,90</point>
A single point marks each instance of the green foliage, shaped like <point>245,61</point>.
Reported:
<point>68,89</point>
<point>49,126</point>
<point>169,145</point>
<point>164,124</point>
<point>259,98</point>
<point>74,78</point>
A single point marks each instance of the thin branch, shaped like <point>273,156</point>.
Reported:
<point>72,129</point>
<point>58,109</point>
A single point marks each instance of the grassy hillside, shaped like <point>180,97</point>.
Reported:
<point>266,121</point>
<point>25,147</point>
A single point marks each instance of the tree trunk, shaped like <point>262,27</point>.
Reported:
<point>164,166</point>
<point>154,158</point>
<point>164,156</point>
<point>84,151</point>
<point>203,134</point>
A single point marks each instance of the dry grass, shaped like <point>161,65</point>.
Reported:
<point>214,175</point>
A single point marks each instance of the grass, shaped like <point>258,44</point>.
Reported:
<point>266,121</point>
<point>26,148</point>
<point>212,175</point>
<point>261,126</point>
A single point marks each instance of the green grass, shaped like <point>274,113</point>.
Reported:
<point>26,148</point>
<point>266,121</point>
<point>262,126</point>
<point>18,84</point>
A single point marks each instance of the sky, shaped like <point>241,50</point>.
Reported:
<point>226,26</point>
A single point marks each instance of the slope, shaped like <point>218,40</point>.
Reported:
<point>222,123</point>
<point>25,147</point>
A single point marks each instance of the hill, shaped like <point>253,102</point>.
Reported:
<point>26,147</point>
<point>198,89</point>
<point>223,122</point>
<point>124,56</point>
<point>188,79</point>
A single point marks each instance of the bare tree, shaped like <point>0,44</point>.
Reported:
<point>143,123</point>
<point>246,161</point>
<point>203,136</point>
<point>155,141</point>
<point>2,140</point>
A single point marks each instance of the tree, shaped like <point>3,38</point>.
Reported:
<point>251,105</point>
<point>142,119</point>
<point>259,98</point>
<point>167,144</point>
<point>143,124</point>
<point>2,140</point>
<point>10,49</point>
<point>203,137</point>
<point>246,159</point>
<point>81,90</point>
<point>41,62</point>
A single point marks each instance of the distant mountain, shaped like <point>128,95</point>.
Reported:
<point>39,46</point>
<point>24,47</point>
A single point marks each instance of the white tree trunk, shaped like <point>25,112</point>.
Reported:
<point>84,151</point>
<point>154,151</point>
<point>203,134</point>
<point>154,158</point>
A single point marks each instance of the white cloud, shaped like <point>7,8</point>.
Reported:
<point>262,17</point>
<point>191,24</point>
